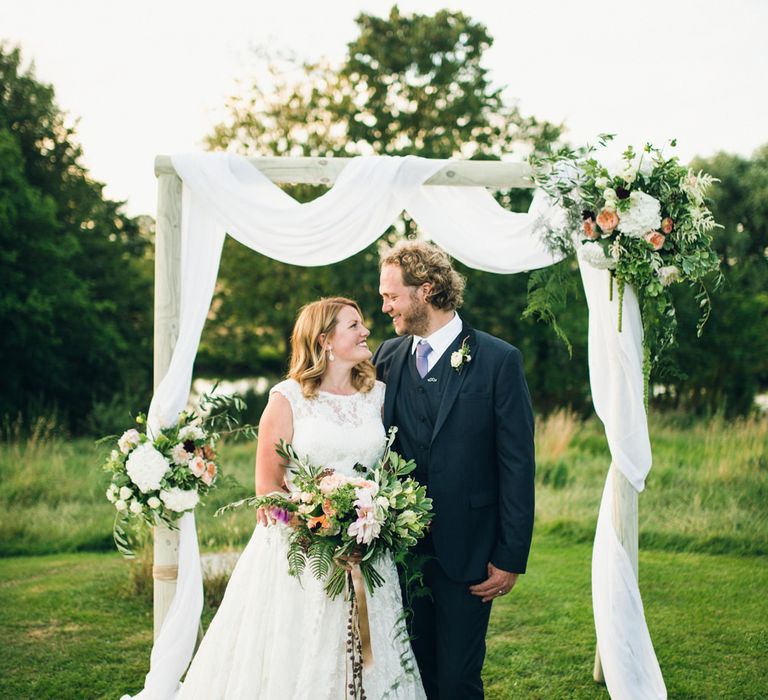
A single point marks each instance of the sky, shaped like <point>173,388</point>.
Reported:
<point>151,76</point>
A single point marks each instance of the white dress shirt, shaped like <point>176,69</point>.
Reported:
<point>440,340</point>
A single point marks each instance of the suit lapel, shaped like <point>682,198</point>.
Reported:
<point>456,379</point>
<point>393,379</point>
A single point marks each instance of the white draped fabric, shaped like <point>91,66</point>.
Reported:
<point>225,193</point>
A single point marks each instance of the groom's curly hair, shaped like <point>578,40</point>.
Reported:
<point>422,262</point>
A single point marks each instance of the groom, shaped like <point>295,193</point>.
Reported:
<point>463,412</point>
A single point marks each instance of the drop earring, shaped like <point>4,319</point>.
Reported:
<point>330,354</point>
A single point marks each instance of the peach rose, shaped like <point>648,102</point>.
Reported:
<point>655,238</point>
<point>328,509</point>
<point>210,473</point>
<point>197,466</point>
<point>589,229</point>
<point>667,225</point>
<point>607,220</point>
<point>208,452</point>
<point>320,521</point>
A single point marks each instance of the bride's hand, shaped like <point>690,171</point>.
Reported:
<point>263,517</point>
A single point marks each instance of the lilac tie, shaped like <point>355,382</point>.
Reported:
<point>423,348</point>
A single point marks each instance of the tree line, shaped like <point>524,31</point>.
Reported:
<point>76,271</point>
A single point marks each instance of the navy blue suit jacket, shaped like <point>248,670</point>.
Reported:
<point>481,458</point>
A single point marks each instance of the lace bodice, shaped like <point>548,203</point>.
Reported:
<point>336,431</point>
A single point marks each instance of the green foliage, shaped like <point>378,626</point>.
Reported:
<point>728,365</point>
<point>598,207</point>
<point>321,518</point>
<point>76,303</point>
<point>548,289</point>
<point>420,87</point>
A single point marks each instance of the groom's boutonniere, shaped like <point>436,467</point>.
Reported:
<point>461,357</point>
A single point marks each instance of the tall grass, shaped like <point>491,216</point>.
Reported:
<point>707,490</point>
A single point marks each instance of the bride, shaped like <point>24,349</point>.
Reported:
<point>276,637</point>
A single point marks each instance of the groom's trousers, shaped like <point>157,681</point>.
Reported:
<point>448,636</point>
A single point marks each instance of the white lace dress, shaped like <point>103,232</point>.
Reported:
<point>276,637</point>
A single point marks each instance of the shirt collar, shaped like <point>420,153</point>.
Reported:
<point>442,338</point>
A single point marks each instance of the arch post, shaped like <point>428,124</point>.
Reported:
<point>167,309</point>
<point>625,522</point>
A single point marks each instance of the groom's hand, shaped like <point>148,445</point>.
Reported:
<point>498,583</point>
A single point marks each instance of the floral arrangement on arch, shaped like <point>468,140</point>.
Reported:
<point>646,220</point>
<point>156,479</point>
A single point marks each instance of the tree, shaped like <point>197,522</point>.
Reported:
<point>728,365</point>
<point>410,84</point>
<point>76,271</point>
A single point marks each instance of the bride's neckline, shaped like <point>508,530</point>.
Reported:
<point>331,393</point>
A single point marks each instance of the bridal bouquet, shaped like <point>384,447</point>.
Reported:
<point>336,519</point>
<point>155,479</point>
<point>645,219</point>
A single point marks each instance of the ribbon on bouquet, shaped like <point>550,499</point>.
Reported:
<point>364,628</point>
<point>359,650</point>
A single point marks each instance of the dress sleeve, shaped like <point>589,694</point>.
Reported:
<point>290,389</point>
<point>379,391</point>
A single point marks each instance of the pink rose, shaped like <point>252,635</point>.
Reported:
<point>589,229</point>
<point>655,238</point>
<point>607,220</point>
<point>667,225</point>
<point>197,466</point>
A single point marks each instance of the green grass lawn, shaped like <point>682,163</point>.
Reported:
<point>75,627</point>
<point>72,628</point>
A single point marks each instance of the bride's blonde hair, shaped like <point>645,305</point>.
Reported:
<point>309,361</point>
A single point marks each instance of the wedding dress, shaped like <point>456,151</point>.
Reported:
<point>277,637</point>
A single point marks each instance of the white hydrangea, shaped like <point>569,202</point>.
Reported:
<point>643,215</point>
<point>668,274</point>
<point>592,254</point>
<point>146,467</point>
<point>179,500</point>
<point>191,432</point>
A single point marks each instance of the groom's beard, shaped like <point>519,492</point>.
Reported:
<point>416,319</point>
